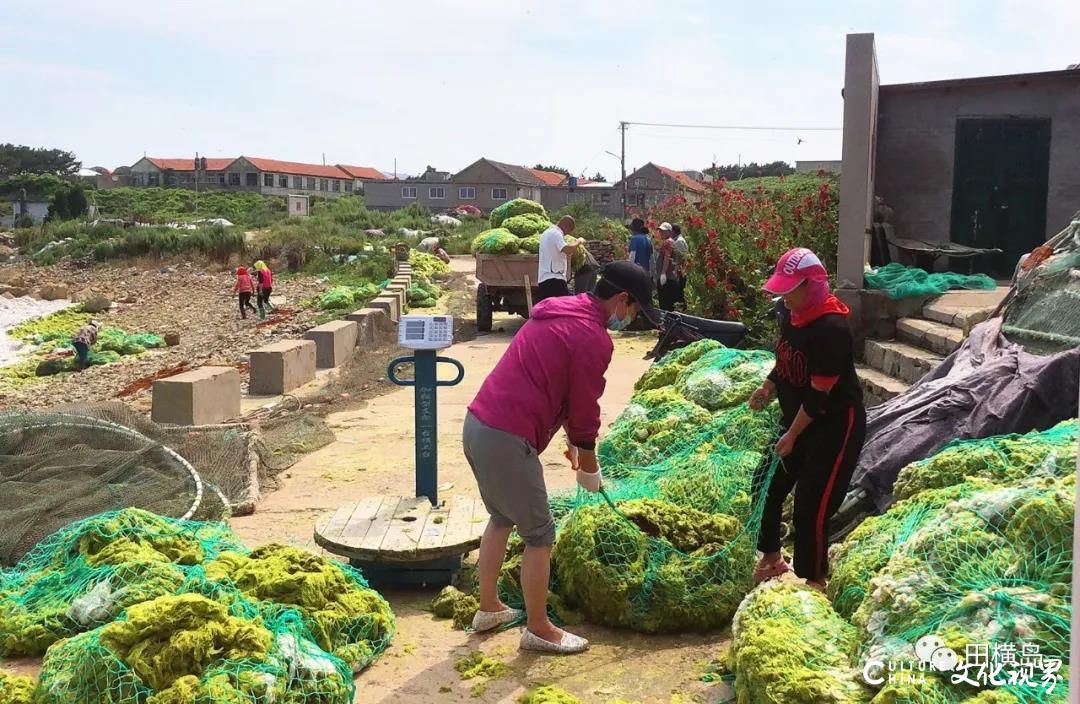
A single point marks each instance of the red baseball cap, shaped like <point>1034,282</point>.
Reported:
<point>795,266</point>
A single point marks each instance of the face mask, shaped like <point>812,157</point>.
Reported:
<point>615,323</point>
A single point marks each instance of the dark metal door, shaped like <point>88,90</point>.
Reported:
<point>1000,188</point>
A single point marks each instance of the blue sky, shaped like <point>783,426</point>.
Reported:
<point>444,82</point>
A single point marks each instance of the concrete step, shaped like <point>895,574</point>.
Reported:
<point>900,360</point>
<point>930,335</point>
<point>964,309</point>
<point>878,387</point>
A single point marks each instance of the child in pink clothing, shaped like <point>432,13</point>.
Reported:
<point>244,287</point>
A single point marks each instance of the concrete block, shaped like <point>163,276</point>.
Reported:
<point>280,367</point>
<point>405,279</point>
<point>373,325</point>
<point>334,342</point>
<point>199,397</point>
<point>401,290</point>
<point>389,304</point>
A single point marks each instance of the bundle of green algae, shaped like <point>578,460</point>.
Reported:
<point>94,573</point>
<point>980,554</point>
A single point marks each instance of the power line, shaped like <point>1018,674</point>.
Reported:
<point>738,127</point>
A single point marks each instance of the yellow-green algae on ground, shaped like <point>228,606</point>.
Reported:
<point>16,689</point>
<point>548,694</point>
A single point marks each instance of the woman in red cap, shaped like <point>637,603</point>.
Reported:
<point>823,420</point>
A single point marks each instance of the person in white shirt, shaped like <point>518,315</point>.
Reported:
<point>554,259</point>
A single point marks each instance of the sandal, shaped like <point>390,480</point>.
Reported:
<point>766,571</point>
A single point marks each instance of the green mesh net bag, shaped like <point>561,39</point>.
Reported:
<point>899,281</point>
<point>343,614</point>
<point>91,571</point>
<point>527,225</point>
<point>515,207</point>
<point>188,648</point>
<point>976,558</point>
<point>497,241</point>
<point>668,546</point>
<point>790,647</point>
<point>1003,459</point>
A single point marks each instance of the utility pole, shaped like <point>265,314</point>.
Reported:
<point>195,174</point>
<point>622,165</point>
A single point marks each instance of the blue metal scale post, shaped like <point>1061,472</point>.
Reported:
<point>415,540</point>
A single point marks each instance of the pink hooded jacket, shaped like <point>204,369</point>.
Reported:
<point>551,376</point>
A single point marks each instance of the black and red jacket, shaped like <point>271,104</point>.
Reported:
<point>818,354</point>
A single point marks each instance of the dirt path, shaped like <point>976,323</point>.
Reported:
<point>373,454</point>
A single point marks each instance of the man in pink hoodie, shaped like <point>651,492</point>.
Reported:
<point>551,377</point>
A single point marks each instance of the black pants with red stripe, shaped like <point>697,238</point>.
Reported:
<point>819,469</point>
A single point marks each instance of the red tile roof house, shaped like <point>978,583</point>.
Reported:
<point>266,176</point>
<point>652,184</point>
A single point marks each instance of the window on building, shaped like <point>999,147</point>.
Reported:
<point>283,181</point>
<point>268,180</point>
<point>348,186</point>
<point>336,185</point>
<point>297,181</point>
<point>498,194</point>
<point>640,182</point>
<point>299,206</point>
<point>408,192</point>
<point>170,179</point>
<point>311,184</point>
<point>153,179</point>
<point>436,193</point>
<point>221,178</point>
<point>234,179</point>
<point>251,179</point>
<point>185,178</point>
<point>466,193</point>
<point>323,185</point>
<point>601,198</point>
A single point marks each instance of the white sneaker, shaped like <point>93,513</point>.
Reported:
<point>490,620</point>
<point>569,644</point>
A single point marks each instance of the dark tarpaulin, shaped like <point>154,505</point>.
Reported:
<point>989,386</point>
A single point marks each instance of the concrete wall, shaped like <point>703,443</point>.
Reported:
<point>37,211</point>
<point>386,195</point>
<point>917,139</point>
<point>859,171</point>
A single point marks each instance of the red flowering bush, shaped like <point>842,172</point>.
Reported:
<point>738,230</point>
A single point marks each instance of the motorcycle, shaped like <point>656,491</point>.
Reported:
<point>678,330</point>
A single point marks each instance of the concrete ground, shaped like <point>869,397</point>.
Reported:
<point>373,454</point>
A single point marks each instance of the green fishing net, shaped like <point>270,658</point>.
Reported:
<point>188,648</point>
<point>526,225</point>
<point>497,241</point>
<point>669,545</point>
<point>515,207</point>
<point>977,554</point>
<point>899,281</point>
<point>87,573</point>
<point>790,647</point>
<point>423,294</point>
<point>1003,459</point>
<point>344,615</point>
<point>132,607</point>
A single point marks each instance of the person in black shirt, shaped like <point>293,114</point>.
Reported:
<point>823,421</point>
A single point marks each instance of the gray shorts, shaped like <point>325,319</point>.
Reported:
<point>511,481</point>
